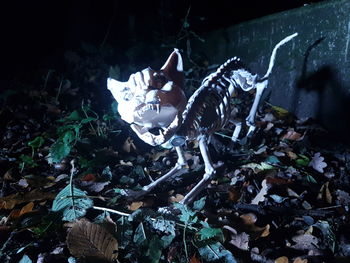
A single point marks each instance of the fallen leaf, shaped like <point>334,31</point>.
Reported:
<point>234,194</point>
<point>292,155</point>
<point>292,136</point>
<point>299,260</point>
<point>9,202</point>
<point>240,240</point>
<point>248,219</point>
<point>260,197</point>
<point>317,162</point>
<point>135,205</point>
<point>194,259</point>
<point>305,242</point>
<point>324,194</point>
<point>281,260</point>
<point>17,213</point>
<point>91,241</point>
<point>176,199</point>
<point>89,177</point>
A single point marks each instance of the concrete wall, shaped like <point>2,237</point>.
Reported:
<point>311,76</point>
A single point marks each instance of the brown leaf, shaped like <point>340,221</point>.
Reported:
<point>9,202</point>
<point>88,240</point>
<point>292,136</point>
<point>281,260</point>
<point>194,259</point>
<point>299,260</point>
<point>248,219</point>
<point>324,194</point>
<point>176,199</point>
<point>234,194</point>
<point>135,205</point>
<point>19,212</point>
<point>89,177</point>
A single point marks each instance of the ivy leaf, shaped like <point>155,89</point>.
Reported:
<point>187,215</point>
<point>199,204</point>
<point>37,142</point>
<point>215,252</point>
<point>207,232</point>
<point>25,259</point>
<point>140,234</point>
<point>73,202</point>
<point>58,151</point>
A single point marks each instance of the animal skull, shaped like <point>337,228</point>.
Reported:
<point>152,99</point>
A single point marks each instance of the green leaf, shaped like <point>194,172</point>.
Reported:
<point>58,151</point>
<point>88,119</point>
<point>302,160</point>
<point>140,234</point>
<point>163,225</point>
<point>216,252</point>
<point>28,160</point>
<point>74,116</point>
<point>199,204</point>
<point>37,142</point>
<point>73,205</point>
<point>272,160</point>
<point>68,137</point>
<point>125,231</point>
<point>25,259</point>
<point>208,232</point>
<point>155,249</point>
<point>187,215</point>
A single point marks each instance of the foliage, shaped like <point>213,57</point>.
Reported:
<point>72,202</point>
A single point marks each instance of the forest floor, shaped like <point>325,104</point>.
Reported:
<point>67,161</point>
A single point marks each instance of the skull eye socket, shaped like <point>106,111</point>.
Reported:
<point>159,80</point>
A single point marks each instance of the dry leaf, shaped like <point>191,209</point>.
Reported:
<point>19,212</point>
<point>194,259</point>
<point>317,162</point>
<point>176,199</point>
<point>135,205</point>
<point>292,136</point>
<point>281,260</point>
<point>325,194</point>
<point>260,197</point>
<point>234,194</point>
<point>88,240</point>
<point>9,202</point>
<point>292,155</point>
<point>240,241</point>
<point>299,260</point>
<point>305,242</point>
<point>249,218</point>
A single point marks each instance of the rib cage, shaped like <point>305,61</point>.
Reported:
<point>209,109</point>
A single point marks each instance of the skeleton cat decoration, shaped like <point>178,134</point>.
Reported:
<point>154,100</point>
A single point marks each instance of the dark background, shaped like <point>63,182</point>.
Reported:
<point>37,33</point>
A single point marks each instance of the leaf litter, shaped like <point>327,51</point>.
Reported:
<point>283,198</point>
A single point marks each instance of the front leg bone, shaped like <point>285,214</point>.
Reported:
<point>209,172</point>
<point>250,120</point>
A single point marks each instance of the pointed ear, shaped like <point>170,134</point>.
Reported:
<point>173,68</point>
